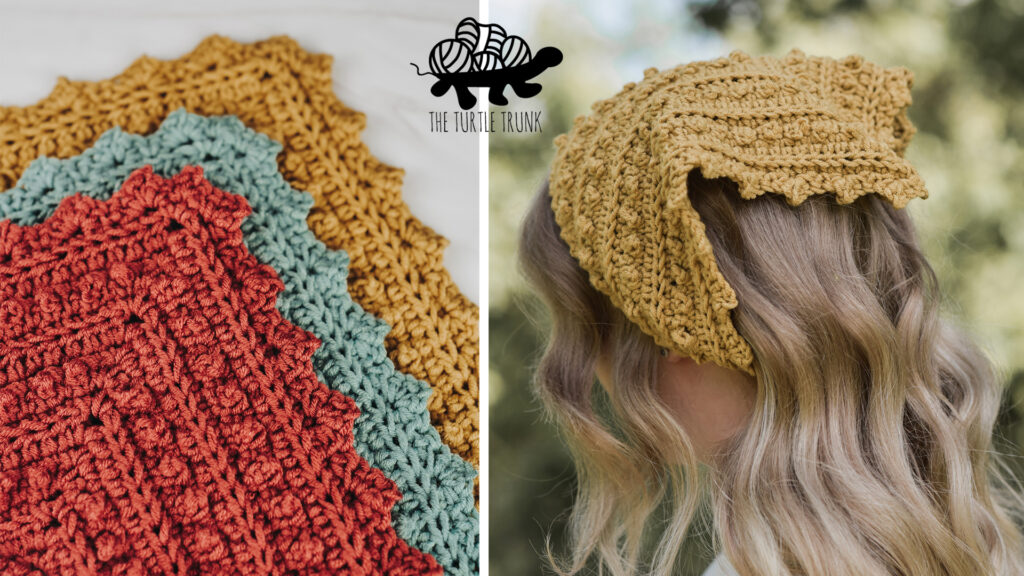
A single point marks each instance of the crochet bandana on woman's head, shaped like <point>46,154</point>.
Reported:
<point>795,126</point>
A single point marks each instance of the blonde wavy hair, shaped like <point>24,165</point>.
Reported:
<point>869,448</point>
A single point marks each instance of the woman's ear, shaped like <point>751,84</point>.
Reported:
<point>710,402</point>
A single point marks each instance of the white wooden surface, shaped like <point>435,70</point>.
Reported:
<point>372,42</point>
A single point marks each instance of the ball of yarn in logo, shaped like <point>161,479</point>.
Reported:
<point>487,61</point>
<point>492,42</point>
<point>451,56</point>
<point>514,51</point>
<point>468,31</point>
<point>480,37</point>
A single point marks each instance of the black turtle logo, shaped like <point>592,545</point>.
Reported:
<point>485,56</point>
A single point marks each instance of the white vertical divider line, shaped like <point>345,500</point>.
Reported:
<point>483,363</point>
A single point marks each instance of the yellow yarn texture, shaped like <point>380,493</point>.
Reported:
<point>794,126</point>
<point>277,88</point>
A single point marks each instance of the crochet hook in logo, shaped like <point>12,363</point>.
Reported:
<point>485,56</point>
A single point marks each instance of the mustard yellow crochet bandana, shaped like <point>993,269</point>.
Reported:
<point>795,126</point>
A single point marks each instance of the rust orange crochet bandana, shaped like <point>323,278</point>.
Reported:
<point>277,88</point>
<point>795,126</point>
<point>159,414</point>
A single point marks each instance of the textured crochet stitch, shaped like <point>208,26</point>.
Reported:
<point>158,413</point>
<point>794,126</point>
<point>436,513</point>
<point>278,89</point>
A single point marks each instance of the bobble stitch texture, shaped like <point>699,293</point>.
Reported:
<point>279,89</point>
<point>817,126</point>
<point>436,513</point>
<point>162,417</point>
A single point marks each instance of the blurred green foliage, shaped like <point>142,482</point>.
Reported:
<point>968,61</point>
